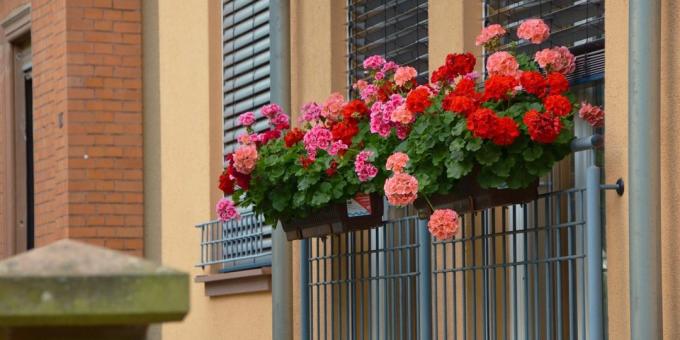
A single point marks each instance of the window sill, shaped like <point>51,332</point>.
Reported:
<point>239,282</point>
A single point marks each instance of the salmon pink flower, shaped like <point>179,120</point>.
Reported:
<point>245,158</point>
<point>396,162</point>
<point>401,189</point>
<point>556,59</point>
<point>404,74</point>
<point>594,115</point>
<point>502,63</point>
<point>402,115</point>
<point>489,34</point>
<point>443,224</point>
<point>534,30</point>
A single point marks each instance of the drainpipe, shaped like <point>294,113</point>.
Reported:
<point>282,277</point>
<point>644,24</point>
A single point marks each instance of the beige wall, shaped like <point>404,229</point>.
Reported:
<point>179,176</point>
<point>616,165</point>
<point>180,144</point>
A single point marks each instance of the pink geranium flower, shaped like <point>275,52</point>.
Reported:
<point>374,62</point>
<point>226,210</point>
<point>534,30</point>
<point>402,115</point>
<point>443,224</point>
<point>246,119</point>
<point>362,166</point>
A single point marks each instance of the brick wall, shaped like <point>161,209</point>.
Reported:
<point>104,122</point>
<point>88,122</point>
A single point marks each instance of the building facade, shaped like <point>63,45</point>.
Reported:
<point>116,115</point>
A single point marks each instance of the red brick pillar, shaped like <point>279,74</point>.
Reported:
<point>87,57</point>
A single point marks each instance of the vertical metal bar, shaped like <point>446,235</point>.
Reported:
<point>644,34</point>
<point>424,280</point>
<point>304,290</point>
<point>594,253</point>
<point>558,269</point>
<point>282,277</point>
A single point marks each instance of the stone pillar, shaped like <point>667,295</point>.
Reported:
<point>71,290</point>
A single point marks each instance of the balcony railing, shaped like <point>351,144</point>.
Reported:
<point>236,245</point>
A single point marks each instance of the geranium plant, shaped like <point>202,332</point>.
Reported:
<point>407,140</point>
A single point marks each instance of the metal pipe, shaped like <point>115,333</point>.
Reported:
<point>282,277</point>
<point>424,281</point>
<point>644,32</point>
<point>594,252</point>
<point>587,143</point>
<point>304,290</point>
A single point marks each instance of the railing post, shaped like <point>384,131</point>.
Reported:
<point>594,252</point>
<point>424,280</point>
<point>304,289</point>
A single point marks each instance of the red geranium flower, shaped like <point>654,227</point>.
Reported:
<point>482,123</point>
<point>542,127</point>
<point>459,64</point>
<point>293,136</point>
<point>506,131</point>
<point>497,87</point>
<point>533,83</point>
<point>459,104</point>
<point>268,135</point>
<point>558,83</point>
<point>306,161</point>
<point>242,180</point>
<point>456,65</point>
<point>332,168</point>
<point>465,87</point>
<point>226,183</point>
<point>345,131</point>
<point>355,109</point>
<point>385,91</point>
<point>558,105</point>
<point>418,100</point>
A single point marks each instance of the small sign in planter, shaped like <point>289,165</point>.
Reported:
<point>360,212</point>
<point>469,196</point>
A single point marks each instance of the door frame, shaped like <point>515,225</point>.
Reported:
<point>14,30</point>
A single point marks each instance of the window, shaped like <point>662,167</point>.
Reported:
<point>396,30</point>
<point>244,243</point>
<point>245,34</point>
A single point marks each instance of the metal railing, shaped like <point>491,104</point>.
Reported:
<point>521,271</point>
<point>236,245</point>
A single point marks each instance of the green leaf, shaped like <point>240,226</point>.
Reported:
<point>458,128</point>
<point>456,169</point>
<point>473,144</point>
<point>532,152</point>
<point>488,154</point>
<point>308,180</point>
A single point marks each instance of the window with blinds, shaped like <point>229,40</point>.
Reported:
<point>246,243</point>
<point>576,24</point>
<point>245,41</point>
<point>395,29</point>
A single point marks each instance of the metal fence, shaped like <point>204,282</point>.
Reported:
<point>236,245</point>
<point>513,272</point>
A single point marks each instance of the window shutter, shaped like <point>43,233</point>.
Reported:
<point>576,24</point>
<point>396,30</point>
<point>245,39</point>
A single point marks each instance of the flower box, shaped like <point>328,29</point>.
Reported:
<point>361,212</point>
<point>469,196</point>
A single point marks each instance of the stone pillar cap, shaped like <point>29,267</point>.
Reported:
<point>69,283</point>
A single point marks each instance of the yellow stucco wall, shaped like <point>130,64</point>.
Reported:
<point>616,165</point>
<point>180,144</point>
<point>179,178</point>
